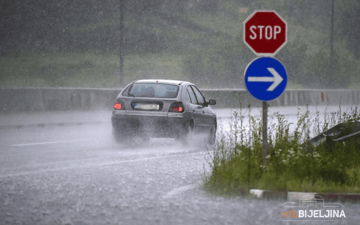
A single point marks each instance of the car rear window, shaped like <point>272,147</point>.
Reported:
<point>153,90</point>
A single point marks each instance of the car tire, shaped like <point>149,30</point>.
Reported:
<point>146,138</point>
<point>118,136</point>
<point>187,133</point>
<point>212,135</point>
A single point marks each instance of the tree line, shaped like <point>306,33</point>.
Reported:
<point>186,27</point>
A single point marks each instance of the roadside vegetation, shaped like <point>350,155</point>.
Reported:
<point>91,69</point>
<point>77,45</point>
<point>292,163</point>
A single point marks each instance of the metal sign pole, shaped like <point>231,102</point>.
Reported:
<point>265,77</point>
<point>264,132</point>
<point>121,46</point>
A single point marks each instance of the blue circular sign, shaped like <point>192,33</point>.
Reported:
<point>265,78</point>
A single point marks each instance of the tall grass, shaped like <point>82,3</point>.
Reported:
<point>292,163</point>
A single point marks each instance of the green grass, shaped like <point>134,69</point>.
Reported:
<point>206,48</point>
<point>221,23</point>
<point>292,165</point>
<point>84,69</point>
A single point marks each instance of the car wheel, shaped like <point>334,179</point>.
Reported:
<point>118,136</point>
<point>187,133</point>
<point>146,138</point>
<point>212,135</point>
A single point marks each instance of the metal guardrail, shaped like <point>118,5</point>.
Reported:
<point>64,98</point>
<point>338,133</point>
<point>347,136</point>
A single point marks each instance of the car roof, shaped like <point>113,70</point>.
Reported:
<point>163,81</point>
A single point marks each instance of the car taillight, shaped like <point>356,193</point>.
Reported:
<point>119,106</point>
<point>176,107</point>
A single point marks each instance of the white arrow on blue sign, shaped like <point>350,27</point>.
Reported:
<point>265,78</point>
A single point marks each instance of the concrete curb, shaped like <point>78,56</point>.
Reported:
<point>71,118</point>
<point>297,196</point>
<point>60,99</point>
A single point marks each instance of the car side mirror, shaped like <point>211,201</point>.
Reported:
<point>212,102</point>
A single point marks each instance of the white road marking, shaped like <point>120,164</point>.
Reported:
<point>93,165</point>
<point>179,190</point>
<point>47,143</point>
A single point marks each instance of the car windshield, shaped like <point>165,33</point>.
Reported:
<point>154,90</point>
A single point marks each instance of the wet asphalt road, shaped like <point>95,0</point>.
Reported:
<point>78,175</point>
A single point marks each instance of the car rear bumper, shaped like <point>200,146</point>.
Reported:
<point>153,126</point>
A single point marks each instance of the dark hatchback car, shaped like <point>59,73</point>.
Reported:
<point>163,108</point>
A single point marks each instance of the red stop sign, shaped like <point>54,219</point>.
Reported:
<point>265,32</point>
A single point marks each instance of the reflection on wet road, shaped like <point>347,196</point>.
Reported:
<point>78,175</point>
